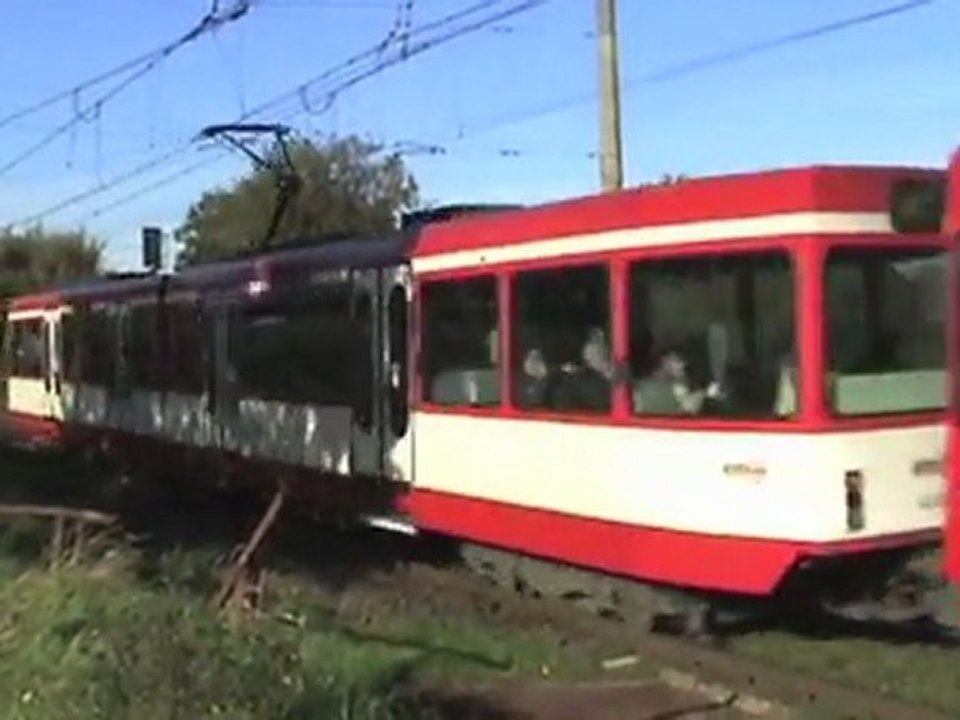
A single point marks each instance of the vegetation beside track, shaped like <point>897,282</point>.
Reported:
<point>130,632</point>
<point>350,625</point>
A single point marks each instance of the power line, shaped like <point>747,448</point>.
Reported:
<point>702,62</point>
<point>298,93</point>
<point>213,20</point>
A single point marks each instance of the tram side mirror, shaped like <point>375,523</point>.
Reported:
<point>151,242</point>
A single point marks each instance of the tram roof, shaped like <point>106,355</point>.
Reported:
<point>821,188</point>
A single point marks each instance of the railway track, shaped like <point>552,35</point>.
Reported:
<point>709,663</point>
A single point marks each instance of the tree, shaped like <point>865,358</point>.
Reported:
<point>347,187</point>
<point>37,259</point>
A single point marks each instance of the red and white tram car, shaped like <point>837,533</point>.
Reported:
<point>952,230</point>
<point>726,386</point>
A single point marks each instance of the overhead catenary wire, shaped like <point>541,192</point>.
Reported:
<point>322,79</point>
<point>695,64</point>
<point>74,91</point>
<point>210,22</point>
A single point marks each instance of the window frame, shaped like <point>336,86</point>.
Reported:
<point>797,250</point>
<point>607,263</point>
<point>892,244</point>
<point>727,251</point>
<point>15,330</point>
<point>422,362</point>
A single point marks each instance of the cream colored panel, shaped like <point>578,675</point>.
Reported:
<point>796,223</point>
<point>690,481</point>
<point>27,396</point>
<point>400,457</point>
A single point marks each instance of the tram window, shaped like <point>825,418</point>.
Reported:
<point>561,326</point>
<point>303,348</point>
<point>70,349</point>
<point>885,326</point>
<point>142,346</point>
<point>186,348</point>
<point>714,337</point>
<point>99,348</point>
<point>460,342</point>
<point>364,399</point>
<point>398,334</point>
<point>28,343</point>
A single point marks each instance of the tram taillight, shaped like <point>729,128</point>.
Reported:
<point>853,485</point>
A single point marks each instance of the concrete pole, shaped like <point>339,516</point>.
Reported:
<point>611,143</point>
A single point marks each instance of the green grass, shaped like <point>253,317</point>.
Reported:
<point>132,636</point>
<point>81,644</point>
<point>94,642</point>
<point>911,672</point>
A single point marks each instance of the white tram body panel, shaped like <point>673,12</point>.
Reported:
<point>771,486</point>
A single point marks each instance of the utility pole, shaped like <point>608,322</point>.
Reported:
<point>611,143</point>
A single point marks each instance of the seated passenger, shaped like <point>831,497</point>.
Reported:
<point>532,383</point>
<point>668,390</point>
<point>586,385</point>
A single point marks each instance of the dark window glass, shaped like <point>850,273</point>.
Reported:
<point>886,330</point>
<point>303,348</point>
<point>28,348</point>
<point>186,348</point>
<point>143,347</point>
<point>100,348</point>
<point>399,369</point>
<point>70,355</point>
<point>461,361</point>
<point>363,314</point>
<point>714,337</point>
<point>561,339</point>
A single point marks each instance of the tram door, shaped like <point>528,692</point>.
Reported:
<point>366,437</point>
<point>53,365</point>
<point>5,361</point>
<point>380,438</point>
<point>395,303</point>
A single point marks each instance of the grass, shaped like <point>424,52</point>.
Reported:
<point>127,635</point>
<point>130,635</point>
<point>912,672</point>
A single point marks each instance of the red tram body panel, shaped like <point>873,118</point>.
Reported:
<point>952,228</point>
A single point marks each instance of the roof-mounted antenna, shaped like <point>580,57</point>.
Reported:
<point>285,175</point>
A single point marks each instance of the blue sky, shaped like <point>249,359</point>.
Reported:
<point>883,92</point>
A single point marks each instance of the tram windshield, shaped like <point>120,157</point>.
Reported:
<point>885,330</point>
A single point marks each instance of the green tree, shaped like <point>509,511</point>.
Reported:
<point>37,258</point>
<point>347,186</point>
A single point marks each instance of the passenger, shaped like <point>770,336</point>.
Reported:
<point>532,385</point>
<point>669,391</point>
<point>596,353</point>
<point>587,386</point>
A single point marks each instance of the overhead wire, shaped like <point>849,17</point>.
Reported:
<point>381,65</point>
<point>213,20</point>
<point>74,90</point>
<point>695,64</point>
<point>669,72</point>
